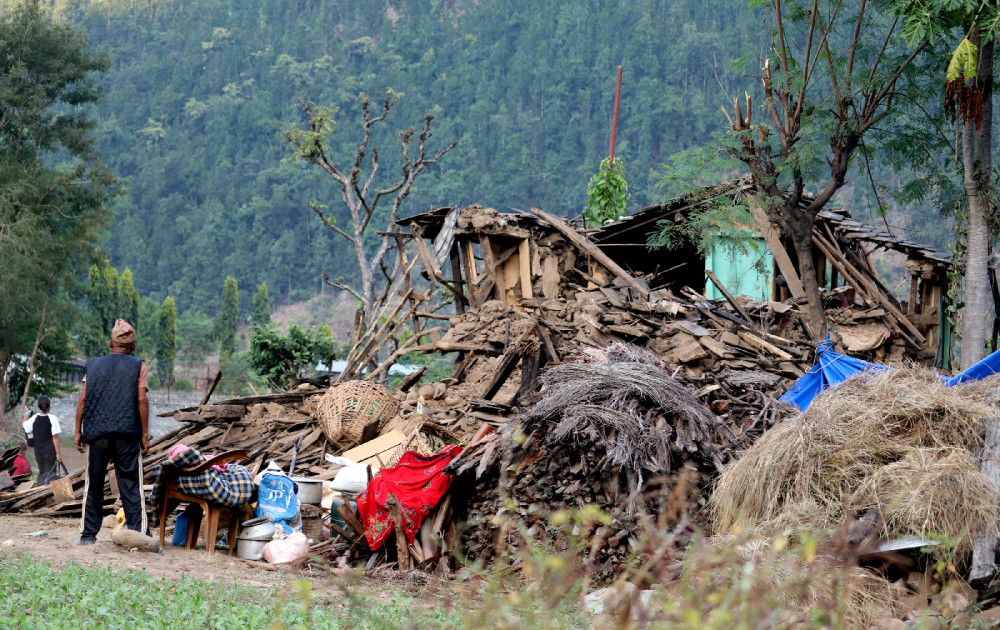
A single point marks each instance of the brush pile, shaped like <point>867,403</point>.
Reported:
<point>611,430</point>
<point>896,443</point>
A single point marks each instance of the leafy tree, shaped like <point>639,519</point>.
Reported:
<point>103,305</point>
<point>53,185</point>
<point>145,330</point>
<point>128,299</point>
<point>166,343</point>
<point>225,328</point>
<point>280,358</point>
<point>194,336</point>
<point>261,306</point>
<point>314,145</point>
<point>607,193</point>
<point>832,74</point>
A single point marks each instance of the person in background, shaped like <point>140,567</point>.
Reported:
<point>21,466</point>
<point>43,429</point>
<point>112,419</point>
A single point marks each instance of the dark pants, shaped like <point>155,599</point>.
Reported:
<point>125,452</point>
<point>46,461</point>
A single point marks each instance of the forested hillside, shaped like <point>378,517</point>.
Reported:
<point>198,90</point>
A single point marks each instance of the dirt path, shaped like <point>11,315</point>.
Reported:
<point>58,549</point>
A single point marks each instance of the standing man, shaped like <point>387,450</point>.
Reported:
<point>112,419</point>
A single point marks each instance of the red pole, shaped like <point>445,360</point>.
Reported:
<point>614,118</point>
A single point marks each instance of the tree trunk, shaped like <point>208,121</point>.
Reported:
<point>977,167</point>
<point>807,274</point>
<point>984,543</point>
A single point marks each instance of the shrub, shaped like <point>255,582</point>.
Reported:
<point>183,385</point>
<point>152,381</point>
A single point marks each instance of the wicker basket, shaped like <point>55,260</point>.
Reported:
<point>346,409</point>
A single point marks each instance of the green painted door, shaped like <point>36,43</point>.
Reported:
<point>743,273</point>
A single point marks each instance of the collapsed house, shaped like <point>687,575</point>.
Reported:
<point>540,307</point>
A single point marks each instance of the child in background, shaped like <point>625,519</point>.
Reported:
<point>21,466</point>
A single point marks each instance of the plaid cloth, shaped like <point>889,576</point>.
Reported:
<point>231,487</point>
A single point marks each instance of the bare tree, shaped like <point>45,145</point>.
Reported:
<point>811,90</point>
<point>359,192</point>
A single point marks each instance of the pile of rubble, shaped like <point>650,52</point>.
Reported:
<point>539,308</point>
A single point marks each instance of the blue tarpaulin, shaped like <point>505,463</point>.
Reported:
<point>832,368</point>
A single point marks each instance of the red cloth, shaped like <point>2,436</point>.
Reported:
<point>417,483</point>
<point>21,466</point>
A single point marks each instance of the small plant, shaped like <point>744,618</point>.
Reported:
<point>183,385</point>
<point>607,193</point>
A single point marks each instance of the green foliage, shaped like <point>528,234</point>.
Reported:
<point>166,342</point>
<point>103,306</point>
<point>145,330</point>
<point>128,299</point>
<point>963,62</point>
<point>261,306</point>
<point>238,376</point>
<point>280,358</point>
<point>517,84</point>
<point>53,186</point>
<point>153,382</point>
<point>720,223</point>
<point>37,595</point>
<point>183,385</point>
<point>607,193</point>
<point>225,327</point>
<point>195,336</point>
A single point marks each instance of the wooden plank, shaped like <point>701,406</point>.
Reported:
<point>729,296</point>
<point>208,393</point>
<point>425,257</point>
<point>379,445</point>
<point>351,519</point>
<point>859,278</point>
<point>456,274</point>
<point>592,250</point>
<point>763,345</point>
<point>773,240</point>
<point>490,269</point>
<point>471,277</point>
<point>507,363</point>
<point>524,257</point>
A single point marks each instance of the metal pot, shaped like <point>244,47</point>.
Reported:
<point>310,491</point>
<point>257,529</point>
<point>250,549</point>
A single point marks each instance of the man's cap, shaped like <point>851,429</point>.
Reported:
<point>122,332</point>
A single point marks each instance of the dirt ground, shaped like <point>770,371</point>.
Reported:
<point>57,548</point>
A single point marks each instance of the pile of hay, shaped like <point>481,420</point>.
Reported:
<point>626,402</point>
<point>898,440</point>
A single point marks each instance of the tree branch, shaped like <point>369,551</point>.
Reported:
<point>342,287</point>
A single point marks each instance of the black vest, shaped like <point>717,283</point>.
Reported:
<point>41,434</point>
<point>111,403</point>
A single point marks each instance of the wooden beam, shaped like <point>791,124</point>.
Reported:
<point>507,363</point>
<point>471,278</point>
<point>729,296</point>
<point>859,277</point>
<point>773,239</point>
<point>524,256</point>
<point>592,250</point>
<point>425,257</point>
<point>491,268</point>
<point>456,274</point>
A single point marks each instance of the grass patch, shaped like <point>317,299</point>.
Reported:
<point>33,594</point>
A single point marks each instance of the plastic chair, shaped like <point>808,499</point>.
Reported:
<point>211,513</point>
